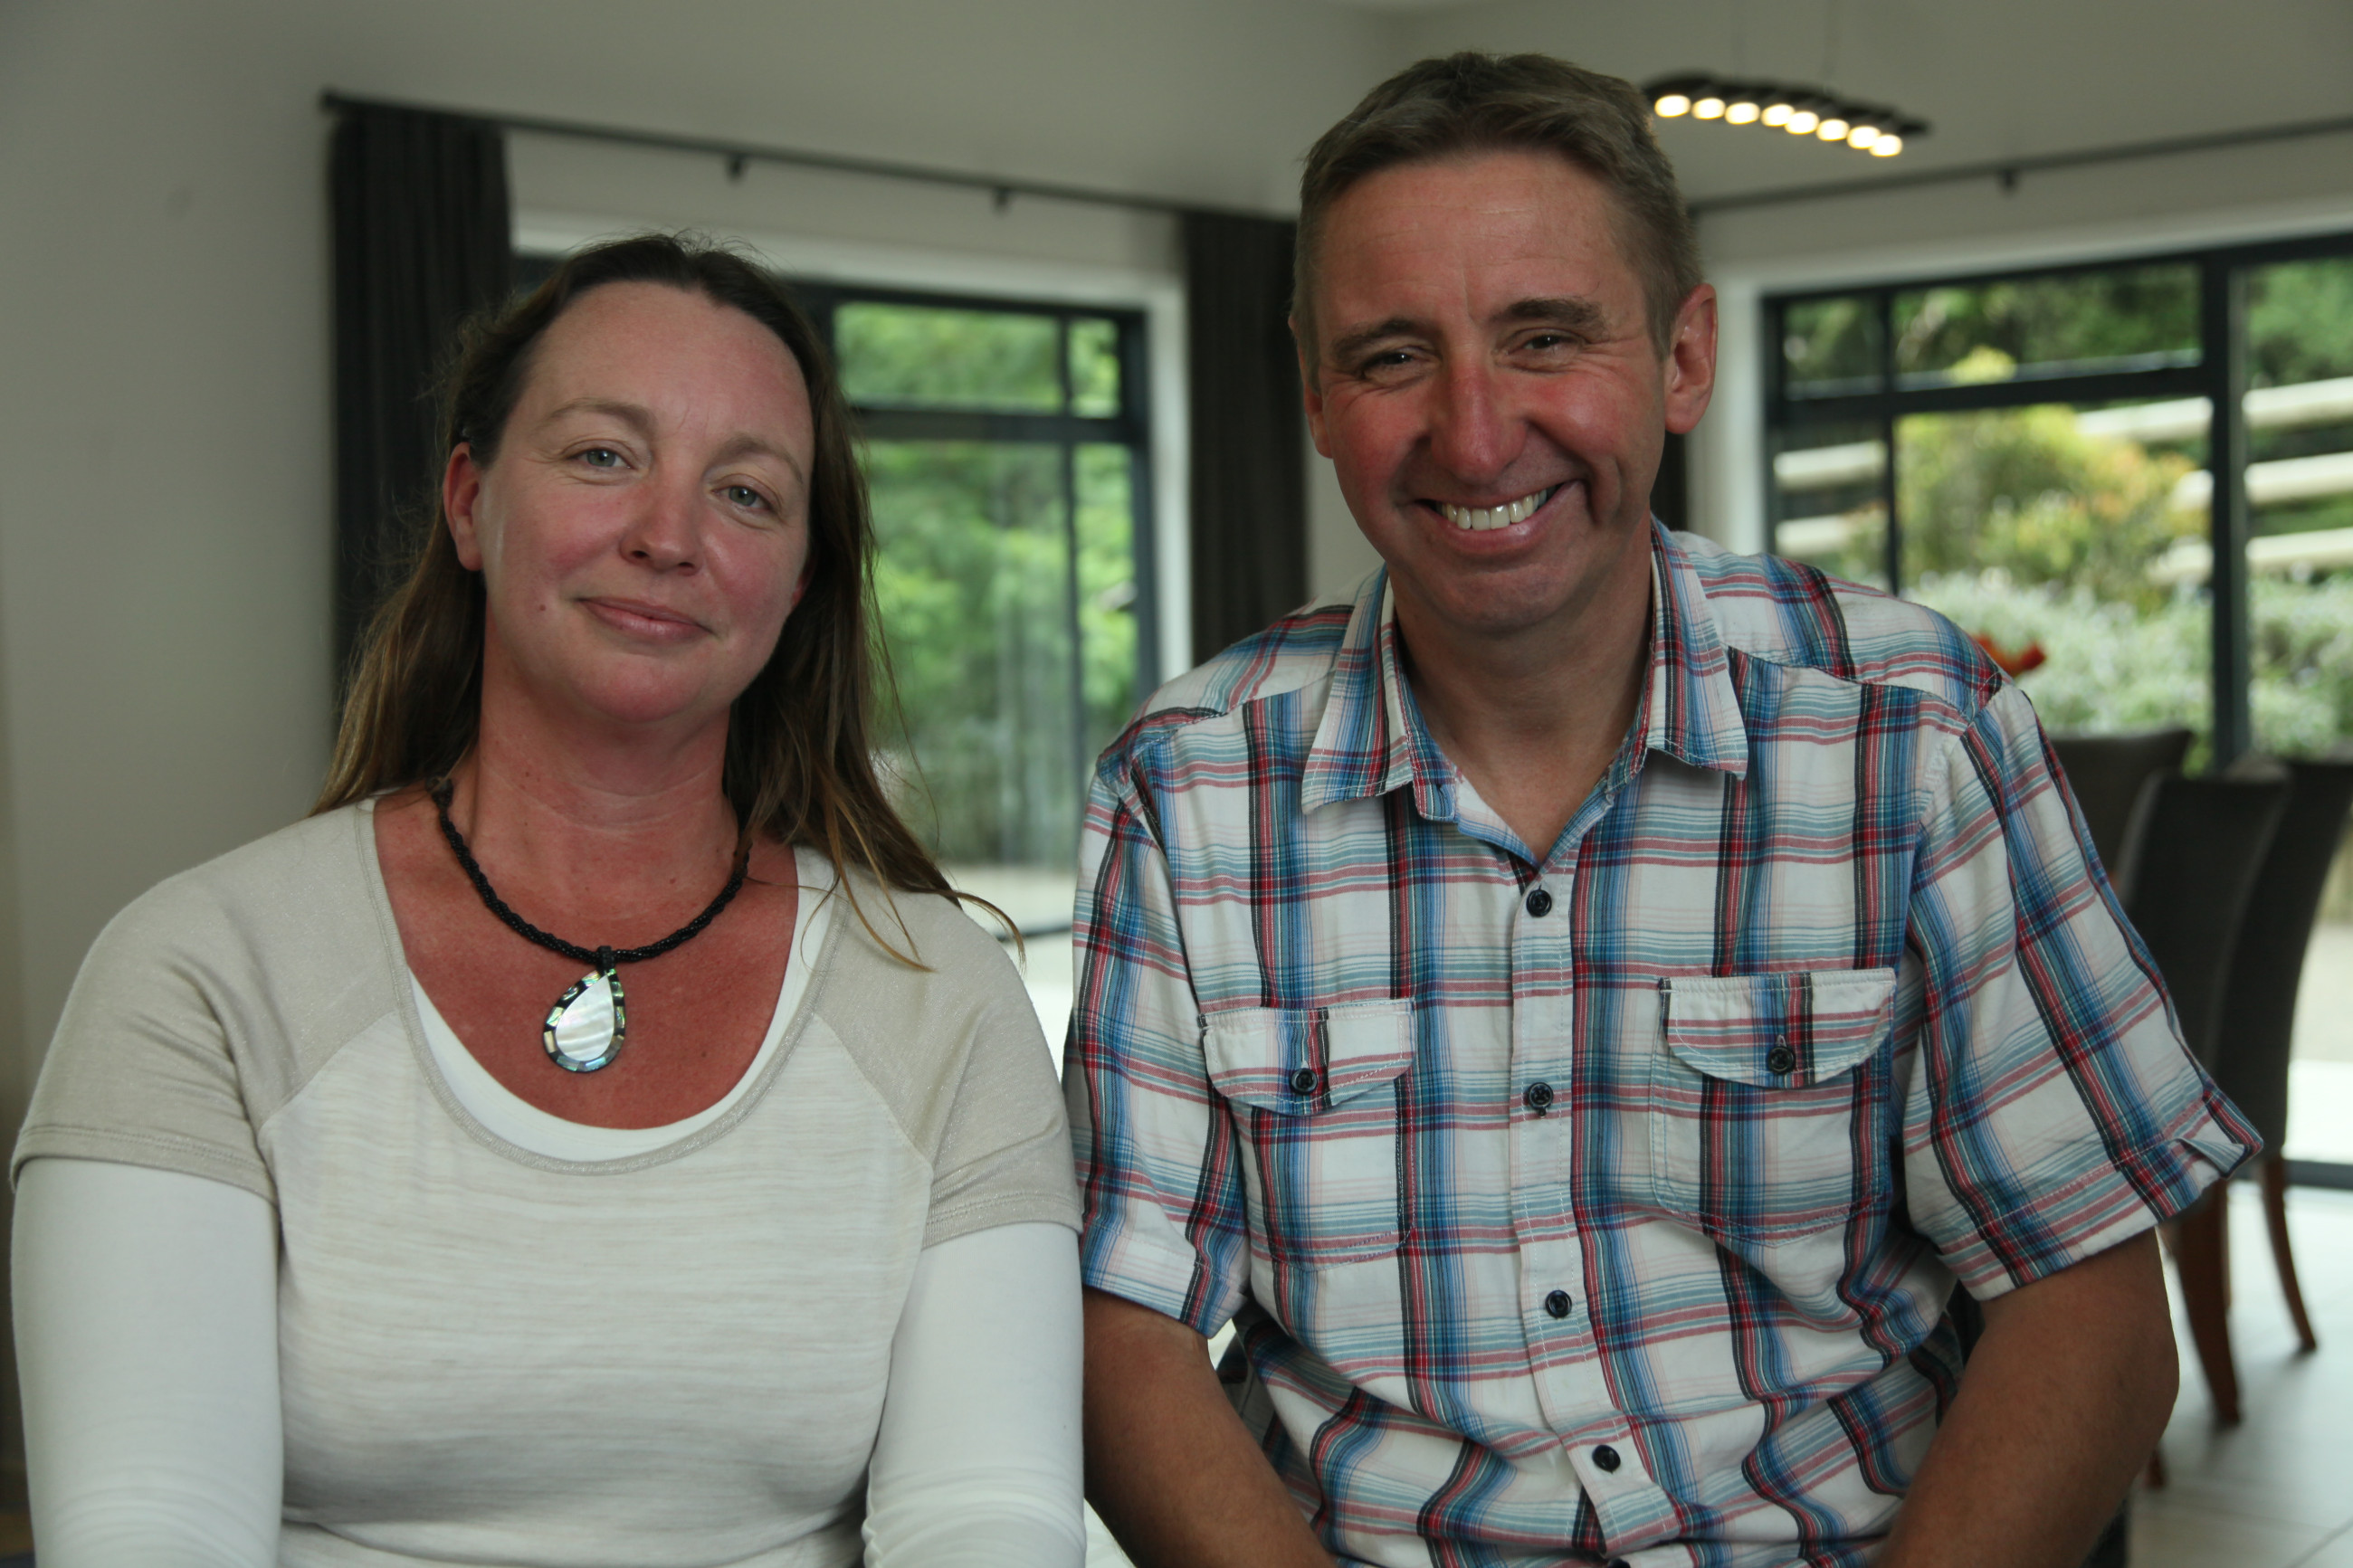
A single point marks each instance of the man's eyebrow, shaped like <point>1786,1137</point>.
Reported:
<point>1348,345</point>
<point>1574,311</point>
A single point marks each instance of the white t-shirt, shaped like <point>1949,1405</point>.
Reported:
<point>494,1353</point>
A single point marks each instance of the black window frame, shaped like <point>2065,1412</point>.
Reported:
<point>2219,375</point>
<point>1130,426</point>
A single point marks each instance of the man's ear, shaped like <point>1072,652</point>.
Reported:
<point>1310,392</point>
<point>461,497</point>
<point>1689,372</point>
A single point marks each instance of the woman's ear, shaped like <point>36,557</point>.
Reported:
<point>461,498</point>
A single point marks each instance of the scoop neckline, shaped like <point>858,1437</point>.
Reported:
<point>814,932</point>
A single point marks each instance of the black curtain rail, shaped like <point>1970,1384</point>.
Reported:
<point>738,154</point>
<point>2007,171</point>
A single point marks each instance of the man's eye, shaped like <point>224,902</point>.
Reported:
<point>601,457</point>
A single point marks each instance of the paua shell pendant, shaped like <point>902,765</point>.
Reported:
<point>588,1025</point>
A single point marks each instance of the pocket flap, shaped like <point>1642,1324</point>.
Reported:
<point>1778,1031</point>
<point>1302,1061</point>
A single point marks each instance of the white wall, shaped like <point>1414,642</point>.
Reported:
<point>164,418</point>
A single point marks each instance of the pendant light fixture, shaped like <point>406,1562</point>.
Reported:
<point>1810,111</point>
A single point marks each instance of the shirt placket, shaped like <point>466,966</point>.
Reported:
<point>1597,1440</point>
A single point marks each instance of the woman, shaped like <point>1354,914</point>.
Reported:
<point>593,1137</point>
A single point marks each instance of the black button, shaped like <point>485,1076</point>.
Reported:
<point>1606,1456</point>
<point>1558,1303</point>
<point>1302,1080</point>
<point>1781,1059</point>
<point>1540,903</point>
<point>1538,1097</point>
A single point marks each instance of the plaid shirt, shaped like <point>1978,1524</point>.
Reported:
<point>1603,1204</point>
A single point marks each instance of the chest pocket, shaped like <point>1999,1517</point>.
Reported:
<point>1769,1107</point>
<point>1313,1094</point>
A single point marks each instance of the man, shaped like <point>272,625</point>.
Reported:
<point>1578,1006</point>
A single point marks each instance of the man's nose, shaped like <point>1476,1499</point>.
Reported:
<point>1473,434</point>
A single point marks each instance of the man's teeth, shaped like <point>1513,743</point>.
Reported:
<point>1509,512</point>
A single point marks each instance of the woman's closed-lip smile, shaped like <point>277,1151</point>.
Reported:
<point>643,619</point>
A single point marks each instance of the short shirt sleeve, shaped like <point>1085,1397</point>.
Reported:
<point>1159,1169</point>
<point>2054,1110</point>
<point>145,1068</point>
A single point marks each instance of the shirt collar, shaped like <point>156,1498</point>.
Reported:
<point>1372,740</point>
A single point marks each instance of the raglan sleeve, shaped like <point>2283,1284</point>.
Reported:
<point>2052,1110</point>
<point>145,1068</point>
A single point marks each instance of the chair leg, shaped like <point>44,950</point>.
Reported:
<point>2275,1215</point>
<point>2202,1253</point>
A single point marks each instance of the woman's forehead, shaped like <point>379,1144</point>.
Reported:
<point>676,352</point>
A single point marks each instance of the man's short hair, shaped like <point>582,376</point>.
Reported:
<point>1473,102</point>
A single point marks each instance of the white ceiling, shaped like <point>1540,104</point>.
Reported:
<point>1996,79</point>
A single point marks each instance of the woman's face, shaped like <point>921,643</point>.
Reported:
<point>644,529</point>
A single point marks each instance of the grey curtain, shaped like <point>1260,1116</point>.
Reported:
<point>1249,476</point>
<point>422,237</point>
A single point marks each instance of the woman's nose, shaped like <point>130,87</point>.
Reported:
<point>665,533</point>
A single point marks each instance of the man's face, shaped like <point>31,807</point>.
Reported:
<point>1487,386</point>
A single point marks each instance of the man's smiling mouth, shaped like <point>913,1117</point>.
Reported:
<point>1486,517</point>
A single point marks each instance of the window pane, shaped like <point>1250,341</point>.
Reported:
<point>914,356</point>
<point>2134,318</point>
<point>972,577</point>
<point>1830,347</point>
<point>2076,533</point>
<point>2300,503</point>
<point>1828,505</point>
<point>1107,627</point>
<point>1094,368</point>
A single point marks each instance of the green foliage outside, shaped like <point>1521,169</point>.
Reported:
<point>913,356</point>
<point>2025,493</point>
<point>973,582</point>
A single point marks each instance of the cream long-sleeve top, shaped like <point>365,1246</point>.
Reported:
<point>501,1340</point>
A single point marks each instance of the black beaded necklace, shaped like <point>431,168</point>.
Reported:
<point>586,1027</point>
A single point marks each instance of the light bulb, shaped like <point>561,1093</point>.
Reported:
<point>1803,121</point>
<point>1708,108</point>
<point>1863,136</point>
<point>1778,113</point>
<point>1671,104</point>
<point>1887,146</point>
<point>1740,112</point>
<point>1832,130</point>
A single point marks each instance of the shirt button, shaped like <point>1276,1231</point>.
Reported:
<point>1302,1080</point>
<point>1606,1457</point>
<point>1540,903</point>
<point>1538,1097</point>
<point>1781,1059</point>
<point>1558,1303</point>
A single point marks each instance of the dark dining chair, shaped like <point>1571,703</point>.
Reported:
<point>2113,778</point>
<point>2249,1055</point>
<point>2201,851</point>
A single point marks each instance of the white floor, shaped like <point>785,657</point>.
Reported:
<point>2276,1491</point>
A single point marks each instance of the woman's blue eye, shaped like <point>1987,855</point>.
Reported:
<point>745,496</point>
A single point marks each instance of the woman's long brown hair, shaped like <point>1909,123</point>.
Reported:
<point>799,766</point>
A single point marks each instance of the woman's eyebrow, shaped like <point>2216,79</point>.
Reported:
<point>750,445</point>
<point>636,415</point>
